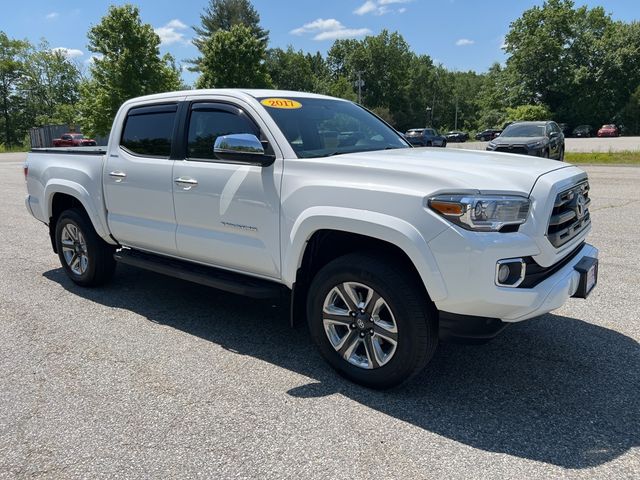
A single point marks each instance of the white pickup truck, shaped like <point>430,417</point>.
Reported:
<point>384,248</point>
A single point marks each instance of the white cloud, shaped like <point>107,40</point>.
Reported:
<point>70,53</point>
<point>329,29</point>
<point>380,7</point>
<point>366,7</point>
<point>172,33</point>
<point>463,42</point>
<point>52,15</point>
<point>342,33</point>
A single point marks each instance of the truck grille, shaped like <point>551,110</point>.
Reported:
<point>512,149</point>
<point>570,214</point>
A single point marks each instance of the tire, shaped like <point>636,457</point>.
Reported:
<point>444,144</point>
<point>405,315</point>
<point>428,144</point>
<point>86,258</point>
<point>545,154</point>
<point>561,156</point>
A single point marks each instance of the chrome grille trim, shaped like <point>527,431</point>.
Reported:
<point>570,215</point>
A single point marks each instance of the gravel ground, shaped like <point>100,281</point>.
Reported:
<point>154,377</point>
<point>618,144</point>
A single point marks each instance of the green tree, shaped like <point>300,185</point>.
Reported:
<point>234,58</point>
<point>630,117</point>
<point>291,70</point>
<point>527,113</point>
<point>12,66</point>
<point>578,61</point>
<point>49,87</point>
<point>127,64</point>
<point>223,15</point>
<point>384,61</point>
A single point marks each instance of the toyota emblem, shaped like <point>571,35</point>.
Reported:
<point>581,204</point>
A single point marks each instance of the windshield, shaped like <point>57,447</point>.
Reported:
<point>524,130</point>
<point>319,127</point>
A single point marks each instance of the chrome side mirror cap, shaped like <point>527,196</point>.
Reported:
<point>241,148</point>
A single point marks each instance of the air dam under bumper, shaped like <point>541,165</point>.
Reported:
<point>478,296</point>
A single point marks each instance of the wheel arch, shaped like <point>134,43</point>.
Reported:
<point>323,234</point>
<point>64,195</point>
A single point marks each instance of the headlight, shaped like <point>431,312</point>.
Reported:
<point>534,145</point>
<point>486,213</point>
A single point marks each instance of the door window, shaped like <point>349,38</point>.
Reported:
<point>207,122</point>
<point>148,130</point>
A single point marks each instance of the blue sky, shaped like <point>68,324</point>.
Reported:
<point>461,34</point>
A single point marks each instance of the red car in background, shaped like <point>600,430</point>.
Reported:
<point>609,131</point>
<point>73,140</point>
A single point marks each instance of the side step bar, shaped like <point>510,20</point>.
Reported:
<point>209,276</point>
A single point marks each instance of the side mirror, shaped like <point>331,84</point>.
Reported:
<point>553,135</point>
<point>241,148</point>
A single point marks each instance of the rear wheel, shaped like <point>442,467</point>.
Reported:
<point>85,257</point>
<point>371,321</point>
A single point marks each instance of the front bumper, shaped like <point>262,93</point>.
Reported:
<point>467,264</point>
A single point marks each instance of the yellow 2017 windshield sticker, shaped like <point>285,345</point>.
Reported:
<point>280,103</point>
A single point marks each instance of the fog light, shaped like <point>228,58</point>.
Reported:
<point>503,273</point>
<point>510,272</point>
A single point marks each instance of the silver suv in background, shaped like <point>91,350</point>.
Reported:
<point>540,139</point>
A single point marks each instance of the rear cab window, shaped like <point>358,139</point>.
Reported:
<point>148,130</point>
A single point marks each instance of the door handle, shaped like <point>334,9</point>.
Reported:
<point>186,182</point>
<point>118,175</point>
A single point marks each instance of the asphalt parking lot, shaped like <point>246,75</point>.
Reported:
<point>595,144</point>
<point>155,377</point>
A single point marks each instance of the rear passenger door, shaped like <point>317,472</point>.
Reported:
<point>227,213</point>
<point>138,184</point>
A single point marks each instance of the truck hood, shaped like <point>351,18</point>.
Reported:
<point>448,169</point>
<point>517,140</point>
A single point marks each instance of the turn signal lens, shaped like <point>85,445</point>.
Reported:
<point>447,208</point>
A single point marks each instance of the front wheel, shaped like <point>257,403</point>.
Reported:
<point>86,258</point>
<point>371,320</point>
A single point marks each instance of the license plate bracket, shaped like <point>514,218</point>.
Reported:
<point>588,269</point>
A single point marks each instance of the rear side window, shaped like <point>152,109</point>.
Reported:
<point>210,121</point>
<point>148,130</point>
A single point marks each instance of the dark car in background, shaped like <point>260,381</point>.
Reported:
<point>73,140</point>
<point>609,130</point>
<point>541,139</point>
<point>456,136</point>
<point>583,131</point>
<point>425,137</point>
<point>488,134</point>
<point>566,129</point>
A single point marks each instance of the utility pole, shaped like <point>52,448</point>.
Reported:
<point>456,122</point>
<point>359,84</point>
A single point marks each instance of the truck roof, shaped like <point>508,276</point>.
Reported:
<point>236,92</point>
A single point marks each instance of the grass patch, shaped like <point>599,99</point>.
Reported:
<point>12,149</point>
<point>622,158</point>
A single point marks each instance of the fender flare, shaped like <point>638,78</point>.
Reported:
<point>362,222</point>
<point>81,194</point>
